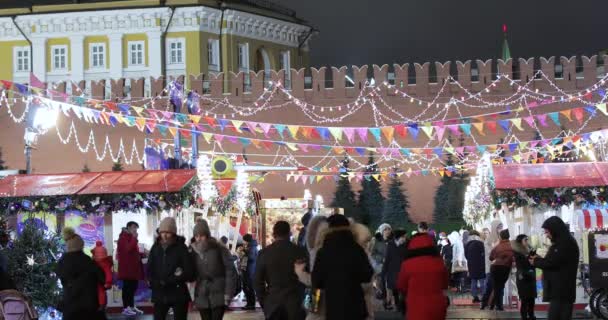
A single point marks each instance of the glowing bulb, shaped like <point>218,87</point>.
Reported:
<point>46,118</point>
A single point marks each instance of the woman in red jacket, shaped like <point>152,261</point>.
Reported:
<point>130,267</point>
<point>423,279</point>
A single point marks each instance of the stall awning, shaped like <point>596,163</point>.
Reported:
<point>591,219</point>
<point>550,175</point>
<point>42,185</point>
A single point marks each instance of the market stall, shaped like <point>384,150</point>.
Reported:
<point>525,195</point>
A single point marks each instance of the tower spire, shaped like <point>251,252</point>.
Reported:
<point>506,52</point>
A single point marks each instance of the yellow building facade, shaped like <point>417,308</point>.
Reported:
<point>143,38</point>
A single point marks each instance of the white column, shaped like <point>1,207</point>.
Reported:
<point>77,57</point>
<point>154,54</point>
<point>39,58</point>
<point>115,52</point>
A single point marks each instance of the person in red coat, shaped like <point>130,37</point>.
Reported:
<point>130,267</point>
<point>100,255</point>
<point>423,279</point>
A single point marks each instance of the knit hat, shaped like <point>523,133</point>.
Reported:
<point>73,242</point>
<point>99,252</point>
<point>337,220</point>
<point>168,224</point>
<point>201,228</point>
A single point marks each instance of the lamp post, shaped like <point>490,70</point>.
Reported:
<point>39,120</point>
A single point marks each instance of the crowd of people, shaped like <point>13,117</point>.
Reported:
<point>336,269</point>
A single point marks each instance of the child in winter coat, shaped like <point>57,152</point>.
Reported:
<point>100,255</point>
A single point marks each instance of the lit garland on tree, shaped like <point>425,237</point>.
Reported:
<point>206,189</point>
<point>243,192</point>
<point>478,196</point>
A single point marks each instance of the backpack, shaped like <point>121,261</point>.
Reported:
<point>15,306</point>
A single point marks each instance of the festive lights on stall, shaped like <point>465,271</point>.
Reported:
<point>243,191</point>
<point>207,189</point>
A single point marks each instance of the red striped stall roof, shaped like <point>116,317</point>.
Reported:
<point>551,175</point>
<point>35,185</point>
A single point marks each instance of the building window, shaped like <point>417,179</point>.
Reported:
<point>97,55</point>
<point>213,54</point>
<point>176,51</point>
<point>286,67</point>
<point>244,57</point>
<point>59,56</point>
<point>136,53</point>
<point>22,59</point>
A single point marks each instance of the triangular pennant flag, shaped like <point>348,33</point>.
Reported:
<point>512,147</point>
<point>173,131</point>
<point>517,157</point>
<point>186,134</point>
<point>293,131</point>
<point>207,136</point>
<point>194,118</point>
<point>504,124</point>
<point>252,126</point>
<point>162,130</point>
<point>602,108</point>
<point>141,123</point>
<point>256,143</point>
<point>306,132</point>
<point>406,152</point>
<point>449,150</point>
<point>578,115</point>
<point>438,151</point>
<point>413,131</point>
<point>376,133</point>
<point>223,123</point>
<point>237,125</point>
<point>319,178</point>
<point>428,130</point>
<point>566,114</point>
<point>530,121</point>
<point>479,127</point>
<point>388,133</point>
<point>362,133</point>
<point>439,132</point>
<point>555,117</point>
<point>360,151</point>
<point>523,145</point>
<point>280,128</point>
<point>455,130</point>
<point>323,132</point>
<point>349,133</point>
<point>481,149</point>
<point>517,123</point>
<point>542,118</point>
<point>265,128</point>
<point>244,141</point>
<point>336,133</point>
<point>460,150</point>
<point>210,121</point>
<point>338,150</point>
<point>138,110</point>
<point>466,128</point>
<point>491,125</point>
<point>401,130</point>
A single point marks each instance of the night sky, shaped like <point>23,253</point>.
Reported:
<point>400,31</point>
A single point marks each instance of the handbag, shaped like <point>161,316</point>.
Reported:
<point>458,267</point>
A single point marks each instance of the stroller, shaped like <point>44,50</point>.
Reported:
<point>15,306</point>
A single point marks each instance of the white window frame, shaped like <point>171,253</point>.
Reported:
<point>26,63</point>
<point>54,67</point>
<point>103,55</point>
<point>243,57</point>
<point>213,54</point>
<point>286,66</point>
<point>130,53</point>
<point>182,43</point>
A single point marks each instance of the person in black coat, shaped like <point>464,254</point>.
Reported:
<point>170,267</point>
<point>560,267</point>
<point>340,267</point>
<point>475,253</point>
<point>395,254</point>
<point>525,278</point>
<point>279,291</point>
<point>79,276</point>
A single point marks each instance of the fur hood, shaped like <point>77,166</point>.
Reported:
<point>315,232</point>
<point>519,248</point>
<point>475,238</point>
<point>362,235</point>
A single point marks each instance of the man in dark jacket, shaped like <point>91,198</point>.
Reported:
<point>302,235</point>
<point>251,250</point>
<point>79,276</point>
<point>340,267</point>
<point>276,283</point>
<point>475,253</point>
<point>170,267</point>
<point>560,267</point>
<point>215,274</point>
<point>395,254</point>
<point>130,267</point>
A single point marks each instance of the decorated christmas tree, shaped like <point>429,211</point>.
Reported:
<point>396,205</point>
<point>117,166</point>
<point>32,259</point>
<point>371,200</point>
<point>344,196</point>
